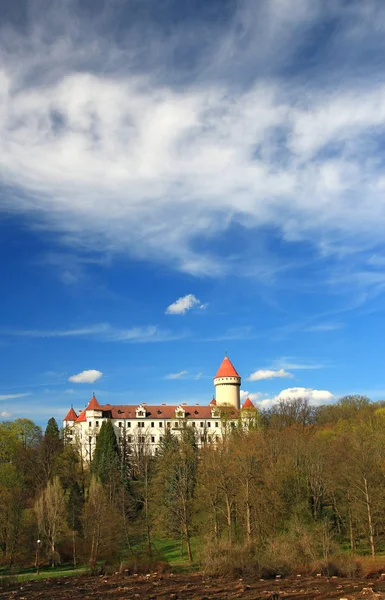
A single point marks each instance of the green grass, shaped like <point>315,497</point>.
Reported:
<point>51,572</point>
<point>46,572</point>
<point>166,549</point>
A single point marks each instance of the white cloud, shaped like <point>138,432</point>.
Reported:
<point>94,154</point>
<point>184,304</point>
<point>89,376</point>
<point>179,375</point>
<point>315,397</point>
<point>5,414</point>
<point>12,396</point>
<point>269,374</point>
<point>254,396</point>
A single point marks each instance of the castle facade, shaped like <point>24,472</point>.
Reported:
<point>142,425</point>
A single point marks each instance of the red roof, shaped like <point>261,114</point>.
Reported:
<point>93,404</point>
<point>71,415</point>
<point>82,417</point>
<point>213,402</point>
<point>226,369</point>
<point>156,412</point>
<point>248,404</point>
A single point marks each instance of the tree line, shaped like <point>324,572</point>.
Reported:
<point>287,486</point>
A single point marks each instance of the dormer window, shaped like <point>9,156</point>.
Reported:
<point>140,412</point>
<point>180,412</point>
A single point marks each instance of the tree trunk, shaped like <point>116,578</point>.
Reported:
<point>370,520</point>
<point>74,548</point>
<point>248,512</point>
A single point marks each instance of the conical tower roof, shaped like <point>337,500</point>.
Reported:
<point>227,369</point>
<point>71,415</point>
<point>248,404</point>
<point>93,404</point>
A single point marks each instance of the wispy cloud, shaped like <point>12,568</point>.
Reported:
<point>184,375</point>
<point>269,374</point>
<point>184,305</point>
<point>324,327</point>
<point>180,375</point>
<point>12,396</point>
<point>104,332</point>
<point>241,141</point>
<point>293,364</point>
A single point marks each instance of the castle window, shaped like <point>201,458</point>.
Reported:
<point>141,439</point>
<point>120,423</point>
<point>129,439</point>
<point>129,424</point>
<point>202,438</point>
<point>141,424</point>
<point>202,424</point>
<point>161,438</point>
<point>209,424</point>
<point>160,424</point>
<point>89,424</point>
<point>97,424</point>
<point>152,424</point>
<point>193,424</point>
<point>176,425</point>
<point>216,424</point>
<point>152,439</point>
<point>89,439</point>
<point>168,424</point>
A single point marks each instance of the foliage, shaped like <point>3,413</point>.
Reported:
<point>106,454</point>
<point>300,488</point>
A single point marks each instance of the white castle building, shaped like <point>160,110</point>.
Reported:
<point>145,424</point>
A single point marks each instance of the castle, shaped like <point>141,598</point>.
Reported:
<point>143,424</point>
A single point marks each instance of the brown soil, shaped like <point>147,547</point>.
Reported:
<point>194,587</point>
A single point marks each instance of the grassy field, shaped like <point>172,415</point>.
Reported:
<point>165,550</point>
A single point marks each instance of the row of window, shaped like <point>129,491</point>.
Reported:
<point>175,425</point>
<point>141,439</point>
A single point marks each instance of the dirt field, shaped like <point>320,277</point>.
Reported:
<point>193,587</point>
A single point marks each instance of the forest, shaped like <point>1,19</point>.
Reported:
<point>300,488</point>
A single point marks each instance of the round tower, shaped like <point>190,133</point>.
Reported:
<point>227,385</point>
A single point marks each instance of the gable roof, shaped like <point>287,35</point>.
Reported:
<point>71,415</point>
<point>227,369</point>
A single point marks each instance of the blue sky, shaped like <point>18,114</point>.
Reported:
<point>222,158</point>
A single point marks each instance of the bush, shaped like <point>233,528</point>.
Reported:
<point>143,563</point>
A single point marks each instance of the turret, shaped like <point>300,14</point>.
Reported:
<point>227,385</point>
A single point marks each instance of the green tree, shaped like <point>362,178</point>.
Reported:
<point>105,461</point>
<point>51,449</point>
<point>176,480</point>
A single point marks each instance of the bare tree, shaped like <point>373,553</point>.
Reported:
<point>51,515</point>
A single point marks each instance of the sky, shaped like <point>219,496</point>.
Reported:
<point>184,178</point>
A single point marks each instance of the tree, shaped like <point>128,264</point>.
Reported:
<point>102,525</point>
<point>51,515</point>
<point>51,449</point>
<point>106,455</point>
<point>12,498</point>
<point>176,480</point>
